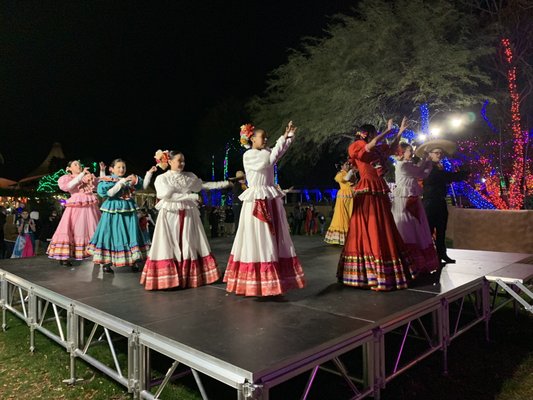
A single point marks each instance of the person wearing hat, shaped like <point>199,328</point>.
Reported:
<point>435,190</point>
<point>239,186</point>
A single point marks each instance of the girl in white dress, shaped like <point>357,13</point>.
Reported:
<point>180,255</point>
<point>409,213</point>
<point>263,261</point>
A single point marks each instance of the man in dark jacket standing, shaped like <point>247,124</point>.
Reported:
<point>435,190</point>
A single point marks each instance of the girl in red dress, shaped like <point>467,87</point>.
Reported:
<point>374,255</point>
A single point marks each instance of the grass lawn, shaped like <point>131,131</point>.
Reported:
<point>502,370</point>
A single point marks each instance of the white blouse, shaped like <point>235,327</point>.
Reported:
<point>175,190</point>
<point>407,176</point>
<point>259,169</point>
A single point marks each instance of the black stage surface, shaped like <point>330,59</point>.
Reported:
<point>255,337</point>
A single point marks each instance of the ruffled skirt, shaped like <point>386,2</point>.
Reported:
<point>338,229</point>
<point>413,226</point>
<point>180,255</point>
<point>263,260</point>
<point>118,239</point>
<point>75,230</point>
<point>374,255</point>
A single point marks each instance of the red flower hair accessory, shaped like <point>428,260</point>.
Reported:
<point>162,158</point>
<point>246,133</point>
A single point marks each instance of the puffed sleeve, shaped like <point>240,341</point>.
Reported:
<point>339,178</point>
<point>357,151</point>
<point>63,182</point>
<point>109,188</point>
<point>104,186</point>
<point>215,185</point>
<point>195,184</point>
<point>162,188</point>
<point>255,160</point>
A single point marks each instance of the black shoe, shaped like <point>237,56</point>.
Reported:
<point>447,260</point>
<point>135,268</point>
<point>65,263</point>
<point>107,269</point>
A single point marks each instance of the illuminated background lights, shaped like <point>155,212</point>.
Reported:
<point>48,183</point>
<point>424,119</point>
<point>516,197</point>
<point>484,116</point>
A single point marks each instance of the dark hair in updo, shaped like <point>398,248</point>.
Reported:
<point>368,128</point>
<point>70,163</point>
<point>174,153</point>
<point>116,160</point>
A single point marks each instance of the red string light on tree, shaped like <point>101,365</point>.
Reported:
<point>516,195</point>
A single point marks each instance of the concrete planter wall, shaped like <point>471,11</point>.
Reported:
<point>495,230</point>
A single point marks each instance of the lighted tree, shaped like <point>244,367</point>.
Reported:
<point>385,61</point>
<point>504,163</point>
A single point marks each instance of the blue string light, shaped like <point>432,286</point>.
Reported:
<point>484,116</point>
<point>424,118</point>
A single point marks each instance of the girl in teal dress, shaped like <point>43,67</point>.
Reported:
<point>118,239</point>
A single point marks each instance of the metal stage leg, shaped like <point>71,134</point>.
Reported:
<point>445,334</point>
<point>310,382</point>
<point>528,307</point>
<point>485,304</point>
<point>199,384</point>
<point>344,373</point>
<point>168,375</point>
<point>3,300</point>
<point>250,391</point>
<point>133,364</point>
<point>401,348</point>
<point>72,344</point>
<point>32,318</point>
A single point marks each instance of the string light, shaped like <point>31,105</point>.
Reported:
<point>516,196</point>
<point>48,183</point>
<point>424,119</point>
<point>484,116</point>
<point>226,152</point>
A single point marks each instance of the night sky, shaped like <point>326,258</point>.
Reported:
<point>114,79</point>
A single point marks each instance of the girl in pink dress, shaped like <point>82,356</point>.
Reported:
<point>80,217</point>
<point>263,261</point>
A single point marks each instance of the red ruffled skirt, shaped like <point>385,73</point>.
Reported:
<point>374,255</point>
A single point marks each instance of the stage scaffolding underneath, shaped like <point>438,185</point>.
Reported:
<point>362,337</point>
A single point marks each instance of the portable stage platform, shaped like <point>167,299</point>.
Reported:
<point>363,337</point>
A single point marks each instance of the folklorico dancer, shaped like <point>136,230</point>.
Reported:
<point>118,239</point>
<point>81,215</point>
<point>408,210</point>
<point>263,260</point>
<point>374,255</point>
<point>180,255</point>
<point>338,228</point>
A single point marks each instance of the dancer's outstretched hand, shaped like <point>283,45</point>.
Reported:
<point>404,125</point>
<point>290,130</point>
<point>390,123</point>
